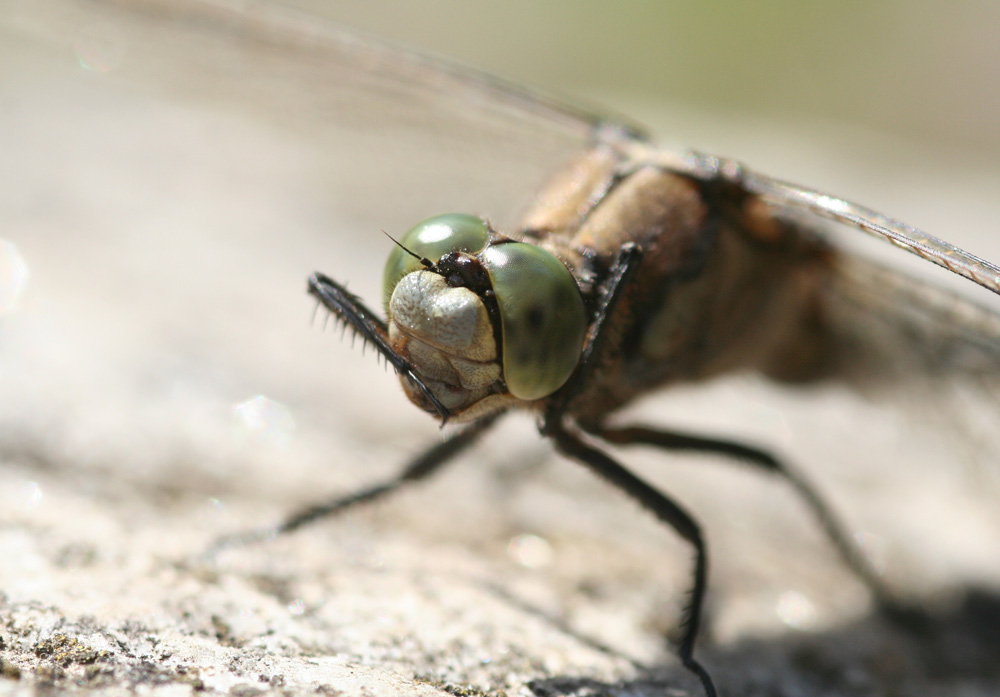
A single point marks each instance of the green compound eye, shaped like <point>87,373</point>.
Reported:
<point>432,239</point>
<point>542,315</point>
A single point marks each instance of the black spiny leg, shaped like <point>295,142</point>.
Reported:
<point>626,264</point>
<point>420,468</point>
<point>349,309</point>
<point>830,523</point>
<point>666,510</point>
<point>660,505</point>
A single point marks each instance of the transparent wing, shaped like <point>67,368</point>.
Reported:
<point>934,353</point>
<point>800,198</point>
<point>904,236</point>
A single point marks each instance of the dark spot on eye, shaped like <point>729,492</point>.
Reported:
<point>536,316</point>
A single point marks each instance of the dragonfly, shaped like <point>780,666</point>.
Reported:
<point>637,268</point>
<point>634,268</point>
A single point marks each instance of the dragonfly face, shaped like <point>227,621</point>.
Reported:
<point>486,321</point>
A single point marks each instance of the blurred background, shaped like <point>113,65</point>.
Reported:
<point>919,71</point>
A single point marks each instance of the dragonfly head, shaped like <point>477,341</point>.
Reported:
<point>485,321</point>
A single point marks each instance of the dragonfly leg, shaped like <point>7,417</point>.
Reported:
<point>828,520</point>
<point>627,262</point>
<point>423,466</point>
<point>664,508</point>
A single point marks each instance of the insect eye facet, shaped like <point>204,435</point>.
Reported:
<point>542,316</point>
<point>432,239</point>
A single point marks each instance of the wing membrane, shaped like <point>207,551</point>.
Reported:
<point>928,351</point>
<point>907,237</point>
<point>800,198</point>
